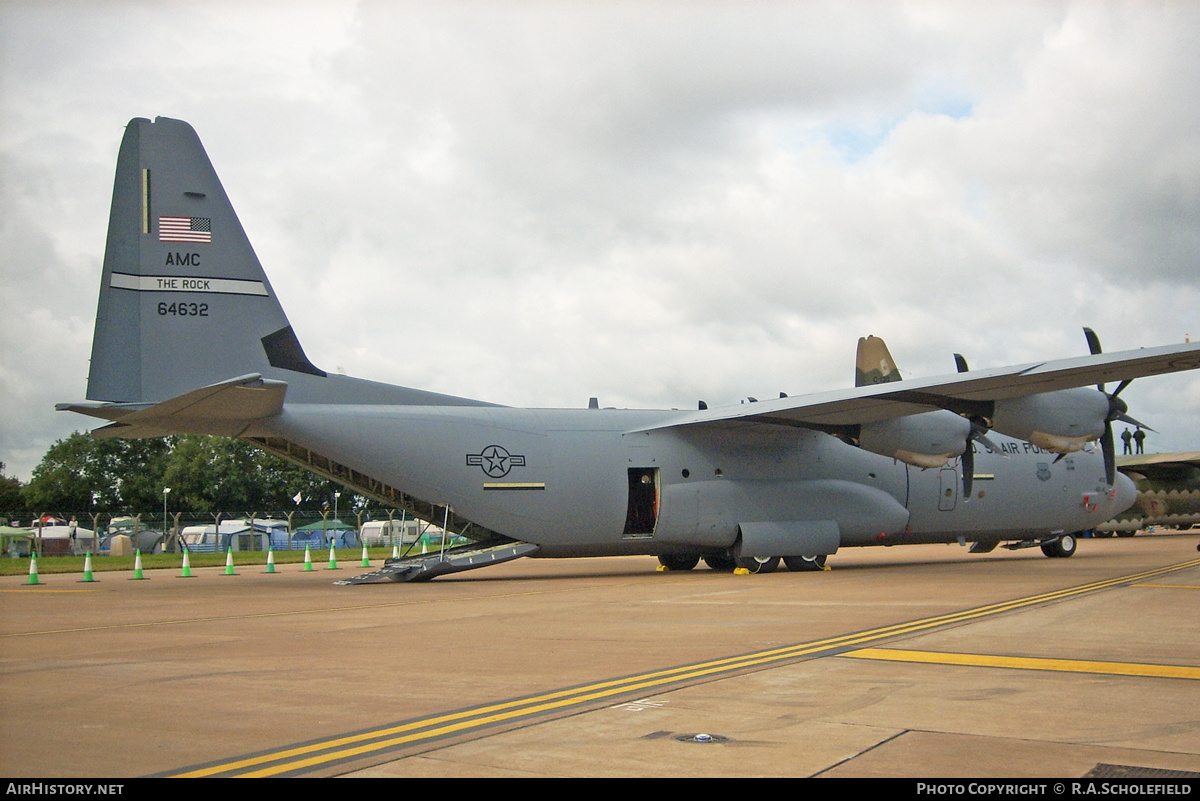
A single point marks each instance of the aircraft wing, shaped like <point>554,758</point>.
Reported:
<point>1135,462</point>
<point>965,393</point>
<point>225,409</point>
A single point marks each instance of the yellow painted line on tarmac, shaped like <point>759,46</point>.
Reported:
<point>304,757</point>
<point>1030,663</point>
<point>1169,586</point>
<point>484,716</point>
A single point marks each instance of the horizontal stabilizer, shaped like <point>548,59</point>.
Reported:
<point>105,411</point>
<point>226,409</point>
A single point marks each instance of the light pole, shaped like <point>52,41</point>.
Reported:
<point>166,492</point>
<point>336,495</point>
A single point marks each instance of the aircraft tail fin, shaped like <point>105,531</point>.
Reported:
<point>874,364</point>
<point>184,302</point>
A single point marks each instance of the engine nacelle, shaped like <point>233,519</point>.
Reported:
<point>922,440</point>
<point>1060,422</point>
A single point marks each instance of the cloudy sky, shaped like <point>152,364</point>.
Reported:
<point>533,203</point>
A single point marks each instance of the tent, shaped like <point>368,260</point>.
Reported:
<point>322,532</point>
<point>15,541</point>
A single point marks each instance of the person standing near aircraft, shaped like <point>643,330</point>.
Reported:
<point>1139,438</point>
<point>1127,438</point>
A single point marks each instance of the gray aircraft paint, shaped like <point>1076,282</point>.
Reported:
<point>191,338</point>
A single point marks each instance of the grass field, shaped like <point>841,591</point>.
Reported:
<point>346,557</point>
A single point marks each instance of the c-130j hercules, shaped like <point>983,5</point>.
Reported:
<point>190,338</point>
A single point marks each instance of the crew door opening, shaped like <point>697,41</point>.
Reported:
<point>642,513</point>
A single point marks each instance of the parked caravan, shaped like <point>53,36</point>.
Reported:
<point>390,532</point>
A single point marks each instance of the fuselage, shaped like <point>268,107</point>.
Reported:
<point>582,482</point>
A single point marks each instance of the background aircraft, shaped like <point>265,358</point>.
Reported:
<point>1168,487</point>
<point>190,338</point>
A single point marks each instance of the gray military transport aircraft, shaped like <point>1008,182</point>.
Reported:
<point>190,338</point>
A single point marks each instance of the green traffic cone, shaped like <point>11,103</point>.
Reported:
<point>87,567</point>
<point>33,576</point>
<point>137,564</point>
<point>229,562</point>
<point>307,560</point>
<point>187,565</point>
<point>332,558</point>
<point>366,561</point>
<point>270,560</point>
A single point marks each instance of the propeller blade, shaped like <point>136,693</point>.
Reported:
<point>1095,349</point>
<point>1110,455</point>
<point>968,471</point>
<point>991,446</point>
<point>1124,418</point>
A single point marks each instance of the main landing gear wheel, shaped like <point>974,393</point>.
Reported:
<point>805,564</point>
<point>678,562</point>
<point>724,564</point>
<point>757,564</point>
<point>1061,548</point>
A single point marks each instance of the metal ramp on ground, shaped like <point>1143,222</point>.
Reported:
<point>422,567</point>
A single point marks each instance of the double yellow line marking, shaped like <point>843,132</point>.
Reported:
<point>310,756</point>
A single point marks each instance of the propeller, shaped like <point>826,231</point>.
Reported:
<point>979,429</point>
<point>1117,410</point>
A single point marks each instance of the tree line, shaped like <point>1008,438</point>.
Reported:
<point>81,476</point>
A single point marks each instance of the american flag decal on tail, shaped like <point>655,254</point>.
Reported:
<point>184,229</point>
